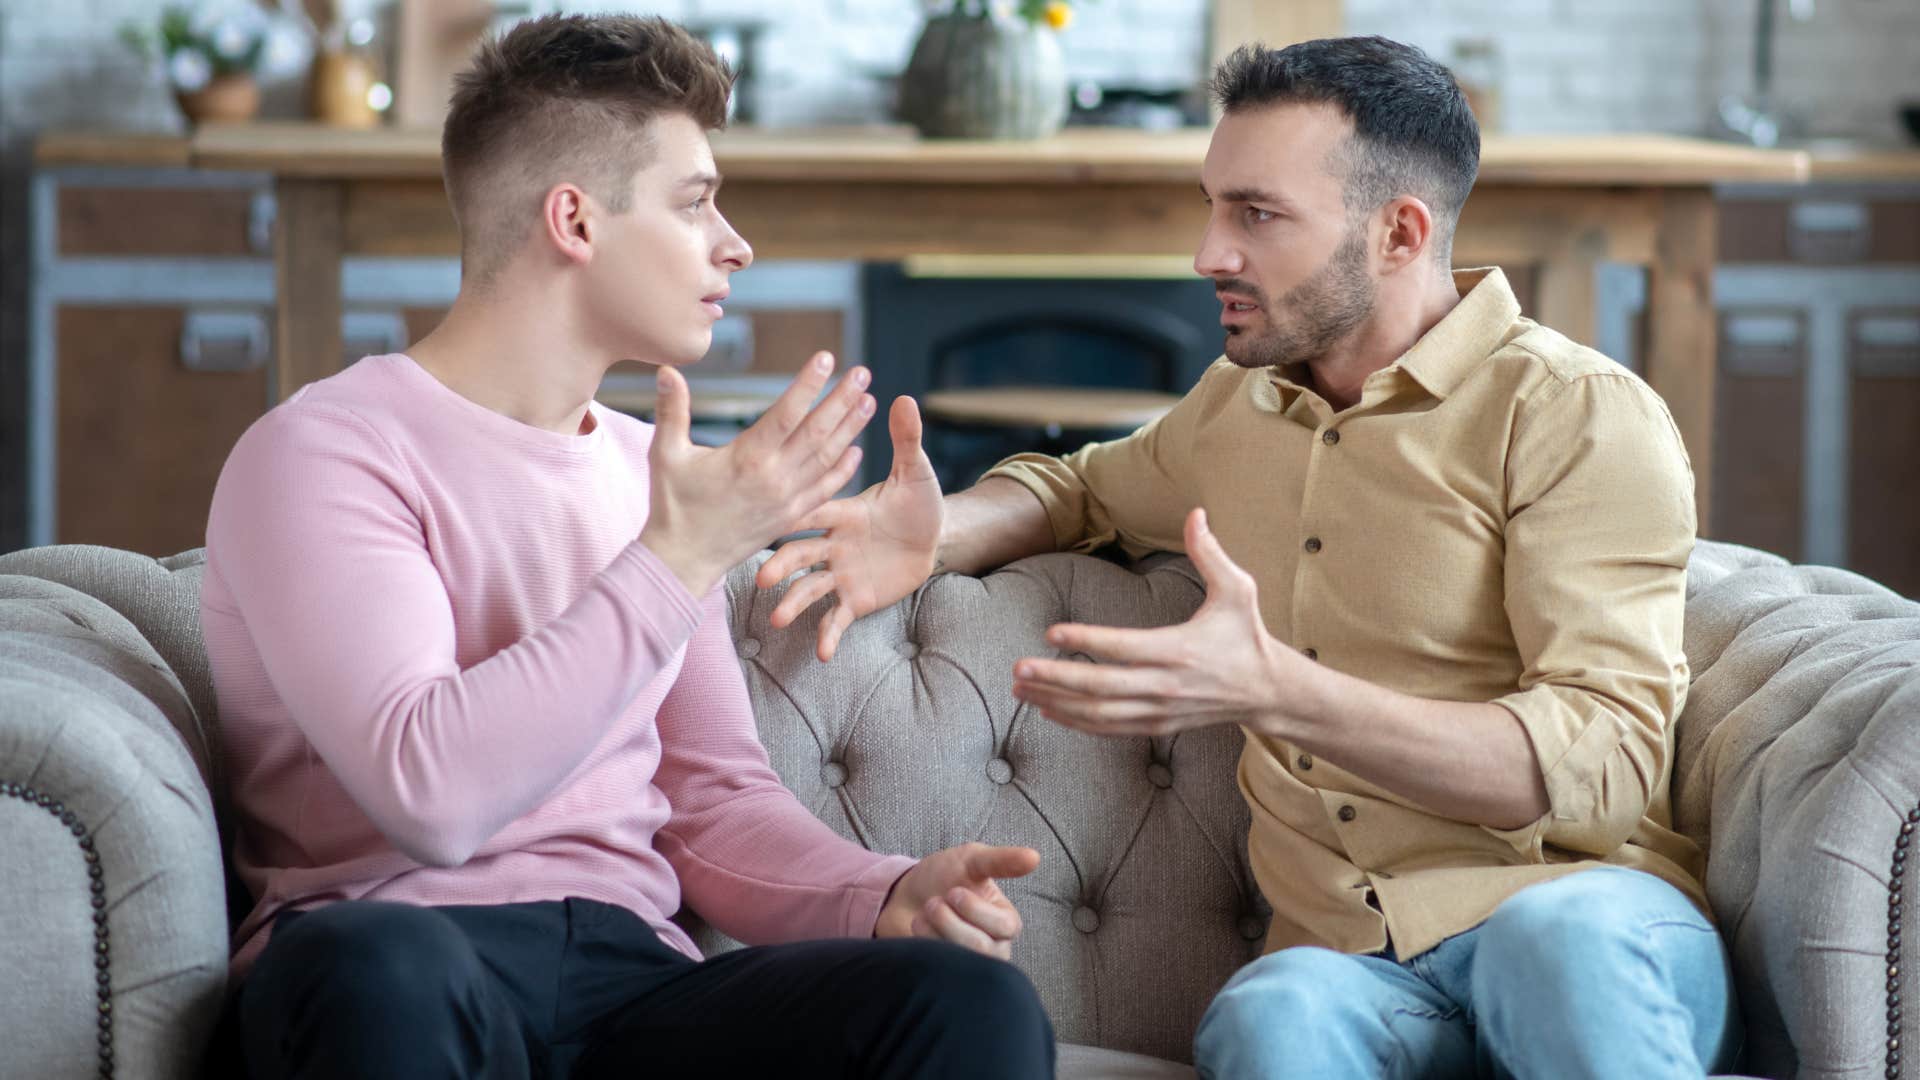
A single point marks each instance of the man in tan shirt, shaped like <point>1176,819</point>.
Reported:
<point>1455,645</point>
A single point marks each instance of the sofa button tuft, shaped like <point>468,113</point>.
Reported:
<point>907,650</point>
<point>1085,919</point>
<point>1000,770</point>
<point>1159,775</point>
<point>833,774</point>
<point>1251,928</point>
<point>748,648</point>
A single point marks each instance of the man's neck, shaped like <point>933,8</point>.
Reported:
<point>1397,324</point>
<point>518,352</point>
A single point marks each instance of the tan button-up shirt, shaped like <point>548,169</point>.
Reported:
<point>1504,516</point>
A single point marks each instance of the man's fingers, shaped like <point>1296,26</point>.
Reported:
<point>903,424</point>
<point>1222,575</point>
<point>672,408</point>
<point>831,627</point>
<point>1107,680</point>
<point>791,407</point>
<point>984,863</point>
<point>1114,643</point>
<point>820,435</point>
<point>790,558</point>
<point>947,925</point>
<point>1098,715</point>
<point>829,485</point>
<point>999,920</point>
<point>852,423</point>
<point>800,596</point>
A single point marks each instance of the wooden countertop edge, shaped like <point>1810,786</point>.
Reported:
<point>887,155</point>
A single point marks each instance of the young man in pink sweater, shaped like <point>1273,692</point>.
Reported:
<point>484,724</point>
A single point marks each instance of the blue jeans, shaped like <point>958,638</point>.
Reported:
<point>1607,972</point>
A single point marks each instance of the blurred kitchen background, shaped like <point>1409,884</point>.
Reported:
<point>137,291</point>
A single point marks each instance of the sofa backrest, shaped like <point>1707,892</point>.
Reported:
<point>910,740</point>
<point>1798,764</point>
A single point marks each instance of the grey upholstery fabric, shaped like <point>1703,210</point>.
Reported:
<point>91,721</point>
<point>910,741</point>
<point>1799,760</point>
<point>160,597</point>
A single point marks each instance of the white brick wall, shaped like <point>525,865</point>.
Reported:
<point>1569,65</point>
<point>1663,65</point>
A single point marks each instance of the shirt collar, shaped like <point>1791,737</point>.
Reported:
<point>1445,355</point>
<point>1482,320</point>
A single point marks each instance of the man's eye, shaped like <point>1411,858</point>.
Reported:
<point>1257,215</point>
<point>698,204</point>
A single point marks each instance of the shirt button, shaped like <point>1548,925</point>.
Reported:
<point>1305,761</point>
<point>1348,813</point>
<point>1310,653</point>
<point>1312,545</point>
<point>1330,437</point>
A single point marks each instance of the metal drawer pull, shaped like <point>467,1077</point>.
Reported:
<point>261,213</point>
<point>217,341</point>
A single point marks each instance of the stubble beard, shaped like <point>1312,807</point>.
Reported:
<point>1321,311</point>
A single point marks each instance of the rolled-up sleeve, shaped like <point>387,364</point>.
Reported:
<point>1600,525</point>
<point>1131,490</point>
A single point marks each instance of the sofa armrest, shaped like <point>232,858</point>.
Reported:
<point>113,930</point>
<point>1799,767</point>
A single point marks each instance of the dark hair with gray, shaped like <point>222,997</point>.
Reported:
<point>1413,133</point>
<point>566,98</point>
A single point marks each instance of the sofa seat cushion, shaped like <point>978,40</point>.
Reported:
<point>1079,1062</point>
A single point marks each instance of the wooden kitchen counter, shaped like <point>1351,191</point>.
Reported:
<point>1555,204</point>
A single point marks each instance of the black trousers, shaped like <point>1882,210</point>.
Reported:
<point>580,989</point>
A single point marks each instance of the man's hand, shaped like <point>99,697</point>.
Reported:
<point>712,508</point>
<point>951,896</point>
<point>1221,666</point>
<point>879,546</point>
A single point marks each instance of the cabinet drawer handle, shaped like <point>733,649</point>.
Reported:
<point>217,341</point>
<point>260,220</point>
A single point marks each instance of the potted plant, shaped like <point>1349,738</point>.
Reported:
<point>214,50</point>
<point>983,69</point>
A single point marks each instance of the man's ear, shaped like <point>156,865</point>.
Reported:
<point>566,219</point>
<point>1408,235</point>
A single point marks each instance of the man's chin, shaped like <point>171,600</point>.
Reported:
<point>1243,349</point>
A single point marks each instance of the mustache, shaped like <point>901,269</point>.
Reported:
<point>1244,288</point>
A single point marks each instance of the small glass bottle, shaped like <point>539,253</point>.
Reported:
<point>1476,67</point>
<point>346,89</point>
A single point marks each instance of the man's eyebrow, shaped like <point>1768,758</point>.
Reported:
<point>701,179</point>
<point>1253,195</point>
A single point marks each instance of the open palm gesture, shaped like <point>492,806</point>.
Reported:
<point>879,545</point>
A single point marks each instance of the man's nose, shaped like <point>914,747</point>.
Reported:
<point>1216,257</point>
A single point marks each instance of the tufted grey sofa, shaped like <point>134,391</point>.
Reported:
<point>1798,766</point>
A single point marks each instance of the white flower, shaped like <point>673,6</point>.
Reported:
<point>231,40</point>
<point>189,70</point>
<point>209,14</point>
<point>287,50</point>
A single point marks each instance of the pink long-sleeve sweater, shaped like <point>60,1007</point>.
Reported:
<point>448,674</point>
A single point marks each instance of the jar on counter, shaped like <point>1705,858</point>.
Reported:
<point>346,88</point>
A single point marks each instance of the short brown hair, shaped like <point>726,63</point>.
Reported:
<point>566,98</point>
